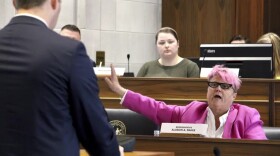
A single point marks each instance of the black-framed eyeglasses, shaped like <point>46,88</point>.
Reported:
<point>222,85</point>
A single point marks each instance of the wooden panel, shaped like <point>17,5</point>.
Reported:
<point>260,90</point>
<point>161,88</point>
<point>277,91</point>
<point>216,21</point>
<point>136,153</point>
<point>206,146</point>
<point>249,18</point>
<point>271,16</point>
<point>277,114</point>
<point>277,104</point>
<point>143,153</point>
<point>199,21</point>
<point>185,88</point>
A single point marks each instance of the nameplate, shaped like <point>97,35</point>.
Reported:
<point>183,130</point>
<point>106,71</point>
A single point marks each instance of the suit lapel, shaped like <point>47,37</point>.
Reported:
<point>202,119</point>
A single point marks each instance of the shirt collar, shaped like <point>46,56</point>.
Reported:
<point>34,16</point>
<point>212,131</point>
<point>222,118</point>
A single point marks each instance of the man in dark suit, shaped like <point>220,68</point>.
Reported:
<point>49,101</point>
<point>71,31</point>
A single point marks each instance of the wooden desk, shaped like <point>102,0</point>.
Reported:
<point>205,146</point>
<point>137,153</point>
<point>276,107</point>
<point>262,94</point>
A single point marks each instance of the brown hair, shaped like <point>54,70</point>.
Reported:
<point>239,38</point>
<point>27,4</point>
<point>167,30</point>
<point>71,27</point>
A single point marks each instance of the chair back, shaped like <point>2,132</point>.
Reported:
<point>127,122</point>
<point>272,133</point>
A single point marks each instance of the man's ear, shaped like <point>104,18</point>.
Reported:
<point>15,4</point>
<point>54,4</point>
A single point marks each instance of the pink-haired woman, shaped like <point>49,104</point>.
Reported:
<point>225,119</point>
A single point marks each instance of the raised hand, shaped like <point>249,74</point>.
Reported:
<point>113,82</point>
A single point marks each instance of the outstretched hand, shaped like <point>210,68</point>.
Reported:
<point>113,82</point>
<point>121,149</point>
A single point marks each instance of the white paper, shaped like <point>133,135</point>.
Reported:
<point>104,71</point>
<point>205,71</point>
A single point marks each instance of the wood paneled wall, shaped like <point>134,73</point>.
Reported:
<point>271,16</point>
<point>216,21</point>
<point>249,18</point>
<point>199,21</point>
<point>276,108</point>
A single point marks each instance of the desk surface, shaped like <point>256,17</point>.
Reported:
<point>171,146</point>
<point>137,153</point>
<point>206,146</point>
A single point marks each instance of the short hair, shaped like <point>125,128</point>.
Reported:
<point>71,27</point>
<point>226,75</point>
<point>27,4</point>
<point>239,38</point>
<point>167,30</point>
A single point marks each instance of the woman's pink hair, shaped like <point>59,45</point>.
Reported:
<point>226,75</point>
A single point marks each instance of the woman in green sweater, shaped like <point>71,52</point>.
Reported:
<point>170,64</point>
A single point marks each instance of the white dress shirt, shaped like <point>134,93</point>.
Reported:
<point>210,121</point>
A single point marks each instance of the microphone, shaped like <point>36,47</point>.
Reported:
<point>202,61</point>
<point>128,56</point>
<point>203,57</point>
<point>216,151</point>
<point>128,74</point>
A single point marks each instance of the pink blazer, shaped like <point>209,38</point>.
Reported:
<point>243,122</point>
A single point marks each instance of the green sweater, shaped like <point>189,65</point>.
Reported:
<point>186,68</point>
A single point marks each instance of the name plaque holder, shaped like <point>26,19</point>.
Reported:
<point>183,130</point>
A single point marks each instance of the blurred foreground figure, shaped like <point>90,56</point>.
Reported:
<point>49,101</point>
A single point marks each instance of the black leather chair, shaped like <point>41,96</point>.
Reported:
<point>127,122</point>
<point>272,133</point>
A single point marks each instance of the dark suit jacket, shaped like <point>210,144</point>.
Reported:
<point>49,101</point>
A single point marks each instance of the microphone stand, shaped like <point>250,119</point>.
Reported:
<point>202,61</point>
<point>203,58</point>
<point>128,74</point>
<point>128,56</point>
